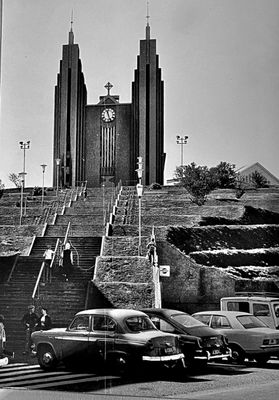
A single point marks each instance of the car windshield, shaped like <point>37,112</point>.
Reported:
<point>250,321</point>
<point>137,324</point>
<point>186,320</point>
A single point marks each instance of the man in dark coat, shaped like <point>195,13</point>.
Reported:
<point>30,321</point>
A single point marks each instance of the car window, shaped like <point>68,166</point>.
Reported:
<point>261,309</point>
<point>276,309</point>
<point>220,322</point>
<point>238,306</point>
<point>163,325</point>
<point>250,321</point>
<point>104,323</point>
<point>205,319</point>
<point>80,323</point>
<point>186,320</point>
<point>137,324</point>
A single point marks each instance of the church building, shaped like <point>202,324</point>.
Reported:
<point>100,143</point>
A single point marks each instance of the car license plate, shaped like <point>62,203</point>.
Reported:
<point>216,352</point>
<point>169,350</point>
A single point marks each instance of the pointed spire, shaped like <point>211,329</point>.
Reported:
<point>147,29</point>
<point>71,33</point>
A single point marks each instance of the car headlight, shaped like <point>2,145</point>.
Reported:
<point>269,342</point>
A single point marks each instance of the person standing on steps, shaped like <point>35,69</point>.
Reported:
<point>68,260</point>
<point>48,255</point>
<point>45,322</point>
<point>30,321</point>
<point>3,339</point>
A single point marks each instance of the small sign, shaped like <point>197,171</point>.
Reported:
<point>164,270</point>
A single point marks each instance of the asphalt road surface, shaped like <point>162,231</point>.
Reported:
<point>216,382</point>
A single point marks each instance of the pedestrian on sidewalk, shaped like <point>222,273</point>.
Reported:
<point>48,255</point>
<point>45,322</point>
<point>30,321</point>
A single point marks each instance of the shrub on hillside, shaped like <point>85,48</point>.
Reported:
<point>224,175</point>
<point>259,180</point>
<point>15,179</point>
<point>197,180</point>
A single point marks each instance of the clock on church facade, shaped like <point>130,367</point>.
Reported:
<point>99,143</point>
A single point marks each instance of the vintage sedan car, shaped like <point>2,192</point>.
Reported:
<point>199,343</point>
<point>110,337</point>
<point>248,336</point>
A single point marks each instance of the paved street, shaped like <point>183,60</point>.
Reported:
<point>218,382</point>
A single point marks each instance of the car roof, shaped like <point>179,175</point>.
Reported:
<point>218,312</point>
<point>253,298</point>
<point>112,312</point>
<point>163,311</point>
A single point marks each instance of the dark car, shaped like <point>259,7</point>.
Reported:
<point>114,337</point>
<point>200,343</point>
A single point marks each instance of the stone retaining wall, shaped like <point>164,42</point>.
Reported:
<point>125,282</point>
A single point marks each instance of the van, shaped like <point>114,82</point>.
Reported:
<point>263,305</point>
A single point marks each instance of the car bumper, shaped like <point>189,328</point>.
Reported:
<point>206,355</point>
<point>163,358</point>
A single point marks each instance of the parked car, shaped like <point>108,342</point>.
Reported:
<point>114,337</point>
<point>263,305</point>
<point>248,336</point>
<point>200,343</point>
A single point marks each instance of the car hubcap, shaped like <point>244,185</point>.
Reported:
<point>47,358</point>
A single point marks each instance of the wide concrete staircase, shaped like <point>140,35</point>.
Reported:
<point>62,299</point>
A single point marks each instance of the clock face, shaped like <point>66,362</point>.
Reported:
<point>108,115</point>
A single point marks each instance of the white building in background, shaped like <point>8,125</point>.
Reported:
<point>246,174</point>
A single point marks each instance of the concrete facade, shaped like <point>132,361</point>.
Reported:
<point>99,143</point>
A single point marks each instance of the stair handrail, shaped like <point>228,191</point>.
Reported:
<point>42,269</point>
<point>67,233</point>
<point>156,273</point>
<point>13,267</point>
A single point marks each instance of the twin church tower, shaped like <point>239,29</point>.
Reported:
<point>99,143</point>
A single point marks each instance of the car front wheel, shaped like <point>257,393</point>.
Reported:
<point>46,358</point>
<point>238,355</point>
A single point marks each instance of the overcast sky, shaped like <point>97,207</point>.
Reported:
<point>219,61</point>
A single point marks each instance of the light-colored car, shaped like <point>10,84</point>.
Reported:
<point>248,336</point>
<point>263,305</point>
<point>115,337</point>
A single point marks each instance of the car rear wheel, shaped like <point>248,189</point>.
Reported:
<point>262,359</point>
<point>46,358</point>
<point>119,364</point>
<point>238,355</point>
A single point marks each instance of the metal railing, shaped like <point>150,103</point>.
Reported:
<point>42,270</point>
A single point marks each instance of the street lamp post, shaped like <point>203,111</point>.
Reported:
<point>22,179</point>
<point>24,147</point>
<point>57,175</point>
<point>43,188</point>
<point>181,141</point>
<point>139,192</point>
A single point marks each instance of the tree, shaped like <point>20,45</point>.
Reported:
<point>259,180</point>
<point>15,179</point>
<point>197,180</point>
<point>2,188</point>
<point>224,175</point>
<point>239,187</point>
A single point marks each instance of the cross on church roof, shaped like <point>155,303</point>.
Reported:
<point>108,86</point>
